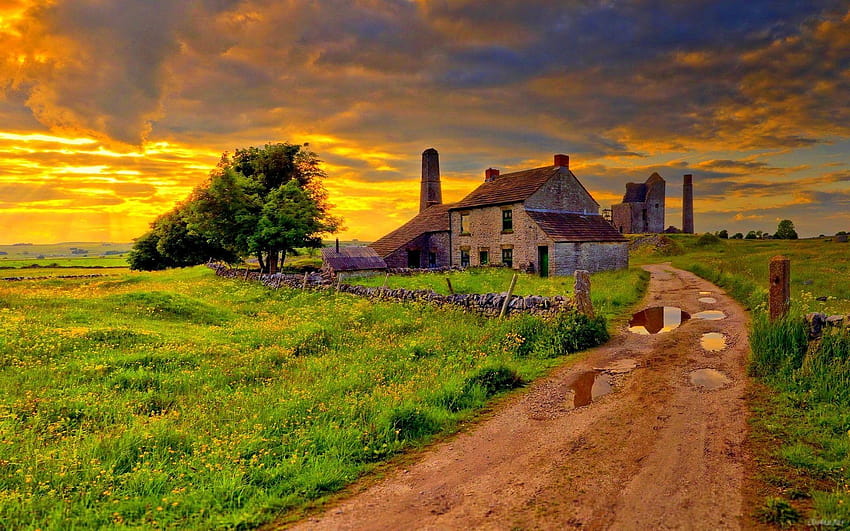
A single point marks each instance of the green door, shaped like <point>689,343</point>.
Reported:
<point>543,260</point>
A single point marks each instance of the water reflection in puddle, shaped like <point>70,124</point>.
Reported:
<point>589,386</point>
<point>708,300</point>
<point>708,379</point>
<point>713,341</point>
<point>710,315</point>
<point>703,293</point>
<point>657,320</point>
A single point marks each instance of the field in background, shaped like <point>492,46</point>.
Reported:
<point>68,254</point>
<point>801,427</point>
<point>182,399</point>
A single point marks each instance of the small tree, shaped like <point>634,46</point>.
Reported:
<point>785,230</point>
<point>751,235</point>
<point>724,234</point>
<point>738,236</point>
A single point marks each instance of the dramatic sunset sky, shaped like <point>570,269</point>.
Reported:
<point>112,110</point>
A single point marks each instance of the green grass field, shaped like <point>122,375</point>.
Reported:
<point>181,399</point>
<point>801,425</point>
<point>69,254</point>
<point>612,292</point>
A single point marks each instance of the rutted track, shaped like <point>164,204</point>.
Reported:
<point>657,453</point>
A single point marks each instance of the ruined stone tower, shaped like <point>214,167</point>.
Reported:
<point>688,204</point>
<point>432,193</point>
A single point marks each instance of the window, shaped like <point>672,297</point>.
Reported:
<point>464,258</point>
<point>432,259</point>
<point>507,220</point>
<point>483,257</point>
<point>508,257</point>
<point>464,223</point>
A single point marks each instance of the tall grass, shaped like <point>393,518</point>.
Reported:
<point>182,399</point>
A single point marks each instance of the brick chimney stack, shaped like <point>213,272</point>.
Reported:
<point>562,160</point>
<point>431,192</point>
<point>490,174</point>
<point>688,204</point>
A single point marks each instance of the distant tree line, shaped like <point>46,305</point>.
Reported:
<point>784,231</point>
<point>260,202</point>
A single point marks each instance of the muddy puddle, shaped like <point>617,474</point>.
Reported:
<point>713,342</point>
<point>707,300</point>
<point>589,386</point>
<point>657,320</point>
<point>709,315</point>
<point>708,379</point>
<point>704,293</point>
<point>622,366</point>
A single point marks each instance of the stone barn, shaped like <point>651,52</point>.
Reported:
<point>541,220</point>
<point>352,260</point>
<point>642,209</point>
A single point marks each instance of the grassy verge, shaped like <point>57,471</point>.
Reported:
<point>800,429</point>
<point>612,291</point>
<point>181,399</point>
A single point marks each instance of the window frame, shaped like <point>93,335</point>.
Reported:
<point>508,257</point>
<point>507,220</point>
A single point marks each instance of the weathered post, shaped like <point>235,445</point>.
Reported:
<point>581,293</point>
<point>304,282</point>
<point>505,304</point>
<point>246,273</point>
<point>780,287</point>
<point>449,282</point>
<point>386,281</point>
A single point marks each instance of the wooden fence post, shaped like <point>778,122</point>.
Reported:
<point>780,287</point>
<point>505,304</point>
<point>304,283</point>
<point>451,289</point>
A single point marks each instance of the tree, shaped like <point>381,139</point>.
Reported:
<point>785,230</point>
<point>258,201</point>
<point>738,236</point>
<point>724,234</point>
<point>751,235</point>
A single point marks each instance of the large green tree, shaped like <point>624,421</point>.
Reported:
<point>261,202</point>
<point>786,230</point>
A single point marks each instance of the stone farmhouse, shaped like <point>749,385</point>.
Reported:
<point>539,220</point>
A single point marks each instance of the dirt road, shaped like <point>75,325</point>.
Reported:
<point>657,452</point>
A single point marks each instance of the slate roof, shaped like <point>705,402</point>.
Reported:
<point>435,218</point>
<point>564,227</point>
<point>508,188</point>
<point>352,258</point>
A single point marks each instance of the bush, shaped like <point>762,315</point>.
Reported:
<point>707,239</point>
<point>567,332</point>
<point>494,380</point>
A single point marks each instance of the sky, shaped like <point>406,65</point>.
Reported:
<point>111,111</point>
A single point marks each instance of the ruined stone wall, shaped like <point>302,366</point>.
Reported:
<point>485,232</point>
<point>563,193</point>
<point>590,256</point>
<point>489,304</point>
<point>621,217</point>
<point>655,205</point>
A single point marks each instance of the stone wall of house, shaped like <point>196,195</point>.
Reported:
<point>436,242</point>
<point>485,233</point>
<point>590,256</point>
<point>563,193</point>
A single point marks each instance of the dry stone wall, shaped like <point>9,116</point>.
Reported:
<point>489,304</point>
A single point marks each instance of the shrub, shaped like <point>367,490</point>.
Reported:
<point>707,239</point>
<point>779,512</point>
<point>494,380</point>
<point>778,346</point>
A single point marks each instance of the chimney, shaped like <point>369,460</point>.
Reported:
<point>431,192</point>
<point>490,174</point>
<point>688,204</point>
<point>337,246</point>
<point>562,160</point>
